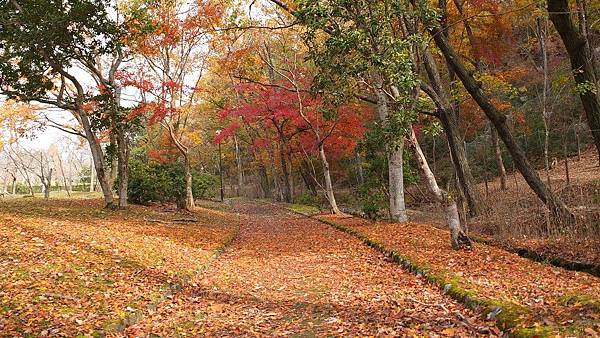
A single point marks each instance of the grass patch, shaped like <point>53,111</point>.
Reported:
<point>306,210</point>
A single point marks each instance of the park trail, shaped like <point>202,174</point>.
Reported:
<point>286,275</point>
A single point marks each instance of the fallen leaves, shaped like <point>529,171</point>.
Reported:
<point>69,267</point>
<point>494,274</point>
<point>287,275</point>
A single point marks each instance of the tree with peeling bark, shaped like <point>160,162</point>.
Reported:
<point>458,232</point>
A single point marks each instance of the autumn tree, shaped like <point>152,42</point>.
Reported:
<point>498,120</point>
<point>44,44</point>
<point>171,40</point>
<point>365,42</point>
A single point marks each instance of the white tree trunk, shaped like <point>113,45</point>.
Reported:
<point>395,162</point>
<point>328,184</point>
<point>459,237</point>
<point>396,182</point>
<point>189,194</point>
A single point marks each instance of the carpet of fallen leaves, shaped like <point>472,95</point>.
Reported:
<point>555,297</point>
<point>69,268</point>
<point>289,275</point>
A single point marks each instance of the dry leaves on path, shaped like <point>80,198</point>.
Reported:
<point>286,275</point>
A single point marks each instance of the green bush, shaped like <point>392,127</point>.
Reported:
<point>165,183</point>
<point>372,201</point>
<point>204,185</point>
<point>309,199</point>
<point>372,193</point>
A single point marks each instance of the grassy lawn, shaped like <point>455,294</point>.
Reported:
<point>69,267</point>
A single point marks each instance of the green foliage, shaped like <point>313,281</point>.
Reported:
<point>309,199</point>
<point>372,200</point>
<point>354,41</point>
<point>585,88</point>
<point>204,184</point>
<point>165,183</point>
<point>39,39</point>
<point>373,193</point>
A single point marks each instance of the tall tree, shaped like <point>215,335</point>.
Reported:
<point>366,42</point>
<point>44,44</point>
<point>171,61</point>
<point>582,63</point>
<point>555,204</point>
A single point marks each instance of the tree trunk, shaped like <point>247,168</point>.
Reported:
<point>328,184</point>
<point>499,161</point>
<point>14,184</point>
<point>395,162</point>
<point>396,178</point>
<point>123,166</point>
<point>359,169</point>
<point>556,206</point>
<point>460,162</point>
<point>265,185</point>
<point>92,176</point>
<point>46,191</point>
<point>45,177</point>
<point>276,178</point>
<point>286,187</point>
<point>5,185</point>
<point>189,194</point>
<point>449,122</point>
<point>30,187</point>
<point>240,173</point>
<point>98,160</point>
<point>48,185</point>
<point>459,238</point>
<point>62,173</point>
<point>307,177</point>
<point>545,114</point>
<point>582,65</point>
<point>114,165</point>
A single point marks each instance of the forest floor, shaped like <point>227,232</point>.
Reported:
<point>529,297</point>
<point>515,218</point>
<point>69,268</point>
<point>287,275</point>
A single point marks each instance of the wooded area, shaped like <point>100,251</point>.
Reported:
<point>450,136</point>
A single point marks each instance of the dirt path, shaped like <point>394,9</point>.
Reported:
<point>287,275</point>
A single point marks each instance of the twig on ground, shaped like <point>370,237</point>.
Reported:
<point>175,221</point>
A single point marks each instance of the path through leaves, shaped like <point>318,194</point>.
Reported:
<point>289,275</point>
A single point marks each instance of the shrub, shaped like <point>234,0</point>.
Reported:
<point>204,185</point>
<point>372,200</point>
<point>309,199</point>
<point>165,183</point>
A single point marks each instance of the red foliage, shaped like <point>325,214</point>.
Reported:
<point>277,110</point>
